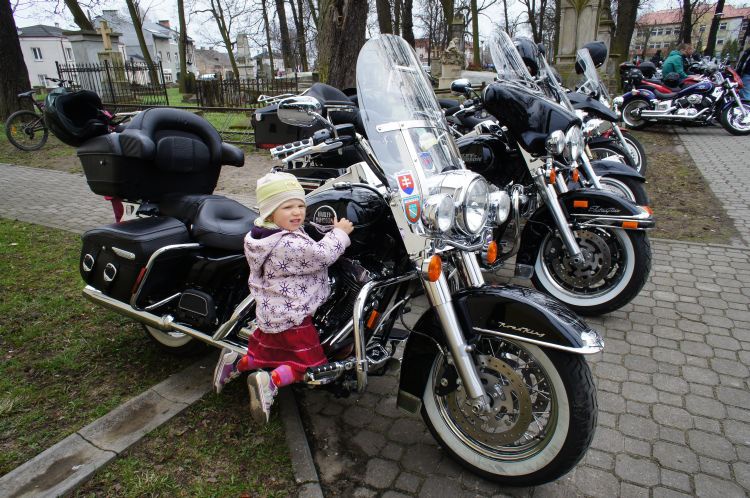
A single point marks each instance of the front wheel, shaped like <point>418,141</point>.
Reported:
<point>611,151</point>
<point>174,342</point>
<point>734,121</point>
<point>542,416</point>
<point>631,113</point>
<point>616,265</point>
<point>636,151</point>
<point>26,130</point>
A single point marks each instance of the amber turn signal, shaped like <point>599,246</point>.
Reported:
<point>373,319</point>
<point>580,204</point>
<point>629,224</point>
<point>492,252</point>
<point>552,176</point>
<point>435,268</point>
<point>575,175</point>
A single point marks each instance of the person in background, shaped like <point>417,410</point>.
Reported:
<point>656,59</point>
<point>675,64</point>
<point>743,69</point>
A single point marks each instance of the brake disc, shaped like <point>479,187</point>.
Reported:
<point>510,411</point>
<point>597,260</point>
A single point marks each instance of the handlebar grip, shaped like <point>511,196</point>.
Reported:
<point>291,148</point>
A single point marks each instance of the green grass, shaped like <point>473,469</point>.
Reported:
<point>65,361</point>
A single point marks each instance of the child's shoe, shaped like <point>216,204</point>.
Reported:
<point>226,369</point>
<point>262,391</point>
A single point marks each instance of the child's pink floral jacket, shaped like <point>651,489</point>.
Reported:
<point>289,274</point>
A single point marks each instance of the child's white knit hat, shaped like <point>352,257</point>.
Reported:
<point>273,190</point>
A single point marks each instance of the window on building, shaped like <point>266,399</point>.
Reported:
<point>37,53</point>
<point>703,28</point>
<point>639,47</point>
<point>720,42</point>
<point>69,53</point>
<point>654,45</point>
<point>176,57</point>
<point>723,25</point>
<point>169,56</point>
<point>42,79</point>
<point>668,31</point>
<point>653,31</point>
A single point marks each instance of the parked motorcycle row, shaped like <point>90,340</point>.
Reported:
<point>710,95</point>
<point>439,198</point>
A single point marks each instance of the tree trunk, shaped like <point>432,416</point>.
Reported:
<point>138,25</point>
<point>626,15</point>
<point>711,43</point>
<point>267,25</point>
<point>340,20</point>
<point>182,46</point>
<point>383,8</point>
<point>556,44</point>
<point>14,78</point>
<point>286,44</point>
<point>313,12</point>
<point>448,12</point>
<point>686,27</point>
<point>299,25</point>
<point>475,33</point>
<point>407,23</point>
<point>397,7</point>
<point>218,12</point>
<point>78,16</point>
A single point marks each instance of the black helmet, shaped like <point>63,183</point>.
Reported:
<point>74,117</point>
<point>648,69</point>
<point>529,53</point>
<point>597,51</point>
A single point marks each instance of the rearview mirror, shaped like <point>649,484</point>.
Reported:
<point>300,111</point>
<point>461,87</point>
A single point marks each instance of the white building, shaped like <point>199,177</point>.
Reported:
<point>42,47</point>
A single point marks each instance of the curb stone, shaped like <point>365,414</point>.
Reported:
<point>66,465</point>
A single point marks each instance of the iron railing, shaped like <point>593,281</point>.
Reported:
<point>243,92</point>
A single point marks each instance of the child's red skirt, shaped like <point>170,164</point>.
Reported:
<point>299,347</point>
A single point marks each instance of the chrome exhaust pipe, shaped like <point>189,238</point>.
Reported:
<point>165,323</point>
<point>660,114</point>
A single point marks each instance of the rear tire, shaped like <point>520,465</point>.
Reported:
<point>556,386</point>
<point>174,342</point>
<point>26,130</point>
<point>632,121</point>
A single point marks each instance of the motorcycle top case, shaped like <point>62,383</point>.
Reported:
<point>113,255</point>
<point>161,151</point>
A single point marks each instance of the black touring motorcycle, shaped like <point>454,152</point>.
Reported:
<point>497,372</point>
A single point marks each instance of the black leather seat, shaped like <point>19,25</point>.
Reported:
<point>213,220</point>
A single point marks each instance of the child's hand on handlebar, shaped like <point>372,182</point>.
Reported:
<point>343,224</point>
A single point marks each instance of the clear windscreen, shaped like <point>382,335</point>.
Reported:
<point>554,88</point>
<point>508,63</point>
<point>592,82</point>
<point>404,122</point>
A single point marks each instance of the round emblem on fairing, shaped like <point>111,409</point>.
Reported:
<point>324,215</point>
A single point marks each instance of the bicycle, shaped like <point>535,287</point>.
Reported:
<point>25,129</point>
<point>28,130</point>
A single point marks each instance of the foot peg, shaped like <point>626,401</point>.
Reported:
<point>375,355</point>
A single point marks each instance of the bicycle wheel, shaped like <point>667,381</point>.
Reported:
<point>26,130</point>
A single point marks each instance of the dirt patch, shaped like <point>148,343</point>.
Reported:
<point>684,205</point>
<point>54,155</point>
<point>243,180</point>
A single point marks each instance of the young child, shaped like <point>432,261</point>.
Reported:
<point>289,280</point>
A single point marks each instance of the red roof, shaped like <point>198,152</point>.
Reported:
<point>674,16</point>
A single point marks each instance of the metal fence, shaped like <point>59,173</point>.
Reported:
<point>242,93</point>
<point>134,83</point>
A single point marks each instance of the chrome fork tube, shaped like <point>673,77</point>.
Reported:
<point>439,296</point>
<point>739,101</point>
<point>589,170</point>
<point>550,198</point>
<point>469,269</point>
<point>621,138</point>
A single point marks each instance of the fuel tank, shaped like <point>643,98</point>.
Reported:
<point>489,156</point>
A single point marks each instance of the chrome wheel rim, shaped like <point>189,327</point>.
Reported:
<point>523,411</point>
<point>737,119</point>
<point>629,118</point>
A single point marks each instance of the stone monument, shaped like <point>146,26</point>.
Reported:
<point>581,21</point>
<point>452,63</point>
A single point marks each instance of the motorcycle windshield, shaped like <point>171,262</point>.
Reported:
<point>404,123</point>
<point>592,81</point>
<point>508,63</point>
<point>555,89</point>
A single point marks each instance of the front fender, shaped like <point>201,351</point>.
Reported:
<point>604,167</point>
<point>512,312</point>
<point>581,206</point>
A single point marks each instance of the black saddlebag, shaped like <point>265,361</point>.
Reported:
<point>114,255</point>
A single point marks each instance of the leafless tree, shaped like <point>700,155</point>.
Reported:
<point>137,16</point>
<point>286,44</point>
<point>711,42</point>
<point>535,15</point>
<point>182,45</point>
<point>227,14</point>
<point>692,12</point>
<point>430,20</point>
<point>383,9</point>
<point>299,29</point>
<point>14,78</point>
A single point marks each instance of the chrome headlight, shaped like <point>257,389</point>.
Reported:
<point>472,212</point>
<point>438,213</point>
<point>499,206</point>
<point>574,143</point>
<point>555,143</point>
